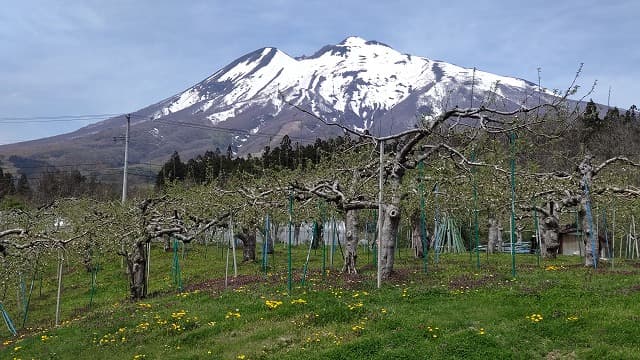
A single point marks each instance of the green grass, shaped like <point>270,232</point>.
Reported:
<point>455,311</point>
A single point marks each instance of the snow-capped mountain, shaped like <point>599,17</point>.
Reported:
<point>354,82</point>
<point>366,85</point>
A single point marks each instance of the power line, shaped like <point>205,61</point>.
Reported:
<point>57,118</point>
<point>86,117</point>
<point>48,166</point>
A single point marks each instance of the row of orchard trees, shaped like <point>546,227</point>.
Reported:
<point>457,152</point>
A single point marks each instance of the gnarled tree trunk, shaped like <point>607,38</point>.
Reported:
<point>388,233</point>
<point>317,235</point>
<point>137,270</point>
<point>416,237</point>
<point>495,235</point>
<point>248,239</point>
<point>549,236</point>
<point>351,243</point>
<point>296,233</point>
<point>591,254</point>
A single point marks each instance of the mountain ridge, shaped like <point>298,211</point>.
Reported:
<point>363,84</point>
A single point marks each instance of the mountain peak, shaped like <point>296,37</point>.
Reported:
<point>353,41</point>
<point>356,41</point>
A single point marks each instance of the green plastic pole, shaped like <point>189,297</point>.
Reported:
<point>423,220</point>
<point>92,292</point>
<point>513,204</point>
<point>437,227</point>
<point>265,247</point>
<point>290,277</point>
<point>324,244</point>
<point>475,212</point>
<point>7,321</point>
<point>177,278</point>
<point>28,299</point>
<point>23,293</point>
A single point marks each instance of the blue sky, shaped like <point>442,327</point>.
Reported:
<point>65,57</point>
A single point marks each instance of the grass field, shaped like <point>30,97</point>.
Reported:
<point>553,310</point>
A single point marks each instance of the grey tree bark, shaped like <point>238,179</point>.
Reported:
<point>386,239</point>
<point>296,233</point>
<point>549,230</point>
<point>248,238</point>
<point>351,243</point>
<point>416,237</point>
<point>495,235</point>
<point>136,266</point>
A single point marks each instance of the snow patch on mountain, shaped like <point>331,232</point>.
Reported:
<point>221,116</point>
<point>352,81</point>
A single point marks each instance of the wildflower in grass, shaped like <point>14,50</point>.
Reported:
<point>404,292</point>
<point>179,314</point>
<point>122,329</point>
<point>241,357</point>
<point>142,326</point>
<point>273,304</point>
<point>7,342</point>
<point>355,306</point>
<point>433,332</point>
<point>17,348</point>
<point>572,318</point>
<point>534,318</point>
<point>232,314</point>
<point>481,331</point>
<point>139,356</point>
<point>299,301</point>
<point>211,323</point>
<point>357,328</point>
<point>383,310</point>
<point>45,338</point>
<point>551,268</point>
<point>144,306</point>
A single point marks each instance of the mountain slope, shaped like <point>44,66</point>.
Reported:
<point>365,85</point>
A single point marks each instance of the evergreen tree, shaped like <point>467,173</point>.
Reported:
<point>173,169</point>
<point>22,188</point>
<point>591,115</point>
<point>612,115</point>
<point>630,115</point>
<point>6,184</point>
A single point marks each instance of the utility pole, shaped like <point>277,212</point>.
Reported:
<point>473,83</point>
<point>126,159</point>
<point>380,216</point>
